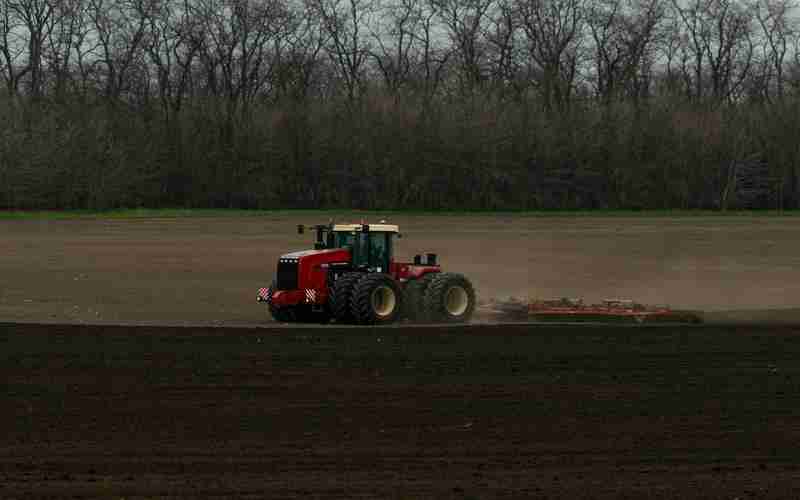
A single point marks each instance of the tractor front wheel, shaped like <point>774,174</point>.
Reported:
<point>377,300</point>
<point>341,294</point>
<point>449,298</point>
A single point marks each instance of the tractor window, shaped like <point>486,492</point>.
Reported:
<point>377,247</point>
<point>344,239</point>
<point>380,250</point>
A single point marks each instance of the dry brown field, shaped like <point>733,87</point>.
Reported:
<point>207,270</point>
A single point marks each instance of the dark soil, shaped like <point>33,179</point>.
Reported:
<point>464,412</point>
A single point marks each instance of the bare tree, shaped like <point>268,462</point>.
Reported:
<point>774,19</point>
<point>120,27</point>
<point>299,56</point>
<point>553,32</point>
<point>466,24</point>
<point>37,19</point>
<point>395,41</point>
<point>434,55</point>
<point>12,47</point>
<point>345,23</point>
<point>504,54</point>
<point>237,45</point>
<point>623,35</point>
<point>68,46</point>
<point>671,49</point>
<point>172,43</point>
<point>720,43</point>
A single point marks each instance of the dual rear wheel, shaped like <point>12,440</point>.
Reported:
<point>366,299</point>
<point>375,299</point>
<point>443,298</point>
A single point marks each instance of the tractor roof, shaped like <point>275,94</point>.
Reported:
<point>387,228</point>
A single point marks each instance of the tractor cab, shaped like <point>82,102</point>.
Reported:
<point>371,245</point>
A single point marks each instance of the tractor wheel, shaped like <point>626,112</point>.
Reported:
<point>281,314</point>
<point>449,298</point>
<point>414,292</point>
<point>377,300</point>
<point>341,293</point>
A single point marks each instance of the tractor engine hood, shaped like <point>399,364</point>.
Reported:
<point>308,269</point>
<point>333,253</point>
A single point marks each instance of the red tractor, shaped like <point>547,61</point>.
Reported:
<point>351,276</point>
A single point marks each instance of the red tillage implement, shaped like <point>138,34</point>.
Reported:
<point>610,310</point>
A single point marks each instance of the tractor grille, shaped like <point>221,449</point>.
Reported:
<point>287,275</point>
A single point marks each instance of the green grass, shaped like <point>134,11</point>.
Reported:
<point>148,213</point>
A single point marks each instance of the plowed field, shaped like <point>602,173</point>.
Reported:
<point>468,412</point>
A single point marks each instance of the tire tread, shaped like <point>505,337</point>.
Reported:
<point>433,300</point>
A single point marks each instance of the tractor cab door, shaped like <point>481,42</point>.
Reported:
<point>370,249</point>
<point>380,251</point>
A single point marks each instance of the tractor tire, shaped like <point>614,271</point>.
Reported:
<point>341,293</point>
<point>377,300</point>
<point>281,314</point>
<point>449,298</point>
<point>413,307</point>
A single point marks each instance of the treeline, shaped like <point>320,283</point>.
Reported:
<point>426,104</point>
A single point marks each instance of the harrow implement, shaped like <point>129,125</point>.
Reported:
<point>608,311</point>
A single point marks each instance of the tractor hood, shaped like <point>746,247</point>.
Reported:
<point>309,253</point>
<point>308,269</point>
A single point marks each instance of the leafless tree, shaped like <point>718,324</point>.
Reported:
<point>466,24</point>
<point>504,48</point>
<point>623,34</point>
<point>346,25</point>
<point>120,27</point>
<point>553,30</point>
<point>720,45</point>
<point>434,54</point>
<point>172,42</point>
<point>68,46</point>
<point>299,56</point>
<point>12,47</point>
<point>37,20</point>
<point>774,19</point>
<point>395,42</point>
<point>239,35</point>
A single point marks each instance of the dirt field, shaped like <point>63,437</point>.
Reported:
<point>484,411</point>
<point>207,270</point>
<point>407,413</point>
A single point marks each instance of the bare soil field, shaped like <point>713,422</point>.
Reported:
<point>408,413</point>
<point>207,270</point>
<point>94,410</point>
